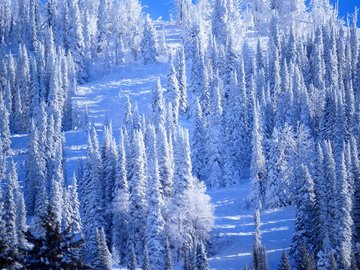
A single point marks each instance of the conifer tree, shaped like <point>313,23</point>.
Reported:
<point>259,251</point>
<point>148,43</point>
<point>103,256</point>
<point>137,202</point>
<point>146,261</point>
<point>198,144</point>
<point>201,258</point>
<point>168,257</point>
<point>305,218</point>
<point>154,232</point>
<point>121,205</point>
<point>284,263</point>
<point>158,105</point>
<point>9,210</point>
<point>165,164</point>
<point>258,163</point>
<point>173,89</point>
<point>181,77</point>
<point>53,250</point>
<point>7,255</point>
<point>214,142</point>
<point>4,124</point>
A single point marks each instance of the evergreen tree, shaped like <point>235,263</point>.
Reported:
<point>198,145</point>
<point>8,257</point>
<point>137,202</point>
<point>173,88</point>
<point>343,216</point>
<point>201,258</point>
<point>120,205</point>
<point>168,257</point>
<point>4,124</point>
<point>181,77</point>
<point>91,197</point>
<point>54,250</point>
<point>146,261</point>
<point>148,43</point>
<point>166,171</point>
<point>259,252</point>
<point>284,263</point>
<point>158,105</point>
<point>305,218</point>
<point>103,256</point>
<point>102,25</point>
<point>214,142</point>
<point>258,163</point>
<point>154,232</point>
<point>131,261</point>
<point>9,211</point>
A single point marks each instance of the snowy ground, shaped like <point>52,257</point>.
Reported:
<point>233,233</point>
<point>105,97</point>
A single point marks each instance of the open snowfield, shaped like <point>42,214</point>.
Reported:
<point>105,98</point>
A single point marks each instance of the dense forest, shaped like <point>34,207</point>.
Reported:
<point>263,90</point>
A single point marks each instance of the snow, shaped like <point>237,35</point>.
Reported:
<point>235,226</point>
<point>105,98</point>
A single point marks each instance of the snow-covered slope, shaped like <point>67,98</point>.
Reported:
<point>233,233</point>
<point>105,98</point>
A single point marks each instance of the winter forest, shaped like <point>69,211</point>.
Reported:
<point>227,137</point>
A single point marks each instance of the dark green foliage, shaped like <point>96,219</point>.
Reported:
<point>55,249</point>
<point>284,264</point>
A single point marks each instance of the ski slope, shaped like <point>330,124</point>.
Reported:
<point>105,98</point>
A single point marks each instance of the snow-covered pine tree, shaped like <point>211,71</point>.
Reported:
<point>53,249</point>
<point>214,142</point>
<point>21,226</point>
<point>201,257</point>
<point>102,25</point>
<point>56,187</point>
<point>35,170</point>
<point>148,43</point>
<point>181,77</point>
<point>284,263</point>
<point>9,210</point>
<point>131,258</point>
<point>76,224</point>
<point>4,124</point>
<point>7,255</point>
<point>120,205</point>
<point>137,201</point>
<point>146,261</point>
<point>109,163</point>
<point>343,216</point>
<point>173,89</point>
<point>305,218</point>
<point>198,144</point>
<point>258,163</point>
<point>259,251</point>
<point>279,180</point>
<point>168,257</point>
<point>158,105</point>
<point>91,197</point>
<point>183,182</point>
<point>154,232</point>
<point>103,256</point>
<point>165,164</point>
